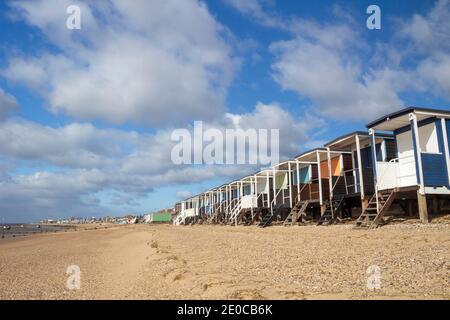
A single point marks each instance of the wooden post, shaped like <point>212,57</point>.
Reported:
<point>364,203</point>
<point>274,186</point>
<point>241,190</point>
<point>256,189</point>
<point>298,181</point>
<point>374,165</point>
<point>360,174</point>
<point>290,184</point>
<point>330,182</point>
<point>229,199</point>
<point>422,205</point>
<point>417,151</point>
<point>446,146</point>
<point>268,189</point>
<point>319,176</point>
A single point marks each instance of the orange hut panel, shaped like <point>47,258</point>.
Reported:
<point>335,168</point>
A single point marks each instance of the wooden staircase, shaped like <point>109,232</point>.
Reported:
<point>216,216</point>
<point>297,211</point>
<point>235,213</point>
<point>371,217</point>
<point>266,220</point>
<point>327,217</point>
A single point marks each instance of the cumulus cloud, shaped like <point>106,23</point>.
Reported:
<point>8,105</point>
<point>184,194</point>
<point>428,36</point>
<point>77,145</point>
<point>259,11</point>
<point>429,32</point>
<point>323,63</point>
<point>293,132</point>
<point>146,62</point>
<point>332,66</point>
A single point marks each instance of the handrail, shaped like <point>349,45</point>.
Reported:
<point>229,205</point>
<point>273,200</point>
<point>344,176</point>
<point>335,183</point>
<point>394,160</point>
<point>217,210</point>
<point>257,198</point>
<point>235,211</point>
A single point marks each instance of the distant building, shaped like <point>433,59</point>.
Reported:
<point>158,217</point>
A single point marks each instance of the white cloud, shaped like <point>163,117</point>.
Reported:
<point>436,71</point>
<point>322,63</point>
<point>147,62</point>
<point>259,11</point>
<point>75,145</point>
<point>293,131</point>
<point>429,37</point>
<point>8,105</point>
<point>345,77</point>
<point>429,32</point>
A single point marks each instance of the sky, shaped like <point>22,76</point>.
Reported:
<point>86,115</point>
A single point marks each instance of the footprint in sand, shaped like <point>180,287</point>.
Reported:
<point>154,244</point>
<point>246,294</point>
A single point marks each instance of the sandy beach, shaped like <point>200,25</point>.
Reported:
<point>224,262</point>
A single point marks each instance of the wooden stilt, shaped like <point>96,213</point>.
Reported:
<point>323,207</point>
<point>422,205</point>
<point>364,204</point>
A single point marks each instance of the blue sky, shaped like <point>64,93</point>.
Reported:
<point>86,115</point>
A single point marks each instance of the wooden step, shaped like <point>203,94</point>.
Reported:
<point>266,221</point>
<point>373,213</point>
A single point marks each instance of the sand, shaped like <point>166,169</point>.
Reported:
<point>224,262</point>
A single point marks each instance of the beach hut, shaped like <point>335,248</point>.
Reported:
<point>355,184</point>
<point>316,186</point>
<point>190,209</point>
<point>158,217</point>
<point>218,205</point>
<point>246,202</point>
<point>419,176</point>
<point>283,189</point>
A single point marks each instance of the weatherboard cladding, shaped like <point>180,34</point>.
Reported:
<point>434,166</point>
<point>434,170</point>
<point>447,123</point>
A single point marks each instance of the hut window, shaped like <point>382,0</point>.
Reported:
<point>391,151</point>
<point>428,138</point>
